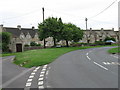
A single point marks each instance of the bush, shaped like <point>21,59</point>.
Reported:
<point>99,43</point>
<point>6,37</point>
<point>109,38</point>
<point>38,45</point>
<point>33,44</point>
<point>26,45</point>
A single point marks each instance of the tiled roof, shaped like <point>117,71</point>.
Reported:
<point>16,32</point>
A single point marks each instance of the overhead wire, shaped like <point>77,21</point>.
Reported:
<point>103,10</point>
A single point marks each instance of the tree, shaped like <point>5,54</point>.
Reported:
<point>6,37</point>
<point>67,33</point>
<point>43,32</point>
<point>51,27</point>
<point>71,32</point>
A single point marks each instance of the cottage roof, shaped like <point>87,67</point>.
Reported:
<point>16,31</point>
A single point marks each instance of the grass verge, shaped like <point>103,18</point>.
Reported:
<point>42,56</point>
<point>114,50</point>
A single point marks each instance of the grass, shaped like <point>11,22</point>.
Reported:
<point>114,50</point>
<point>40,57</point>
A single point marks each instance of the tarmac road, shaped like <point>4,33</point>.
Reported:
<point>90,68</point>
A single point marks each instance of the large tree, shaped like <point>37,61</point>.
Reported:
<point>51,27</point>
<point>71,32</point>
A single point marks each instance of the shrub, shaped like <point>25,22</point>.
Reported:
<point>100,43</point>
<point>26,45</point>
<point>33,44</point>
<point>38,44</point>
<point>6,37</point>
<point>109,38</point>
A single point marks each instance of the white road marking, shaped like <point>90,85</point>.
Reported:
<point>40,83</point>
<point>41,87</point>
<point>35,70</point>
<point>41,75</point>
<point>40,79</point>
<point>114,56</point>
<point>104,63</point>
<point>31,76</point>
<point>100,66</point>
<point>47,72</point>
<point>45,66</point>
<point>88,57</point>
<point>32,73</point>
<point>87,54</point>
<point>29,80</point>
<point>108,63</point>
<point>28,84</point>
<point>42,72</point>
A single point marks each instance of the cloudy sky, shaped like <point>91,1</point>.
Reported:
<point>28,13</point>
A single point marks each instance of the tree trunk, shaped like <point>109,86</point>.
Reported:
<point>67,43</point>
<point>44,43</point>
<point>54,42</point>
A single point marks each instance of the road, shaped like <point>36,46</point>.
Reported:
<point>90,68</point>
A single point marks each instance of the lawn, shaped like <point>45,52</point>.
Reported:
<point>114,50</point>
<point>40,57</point>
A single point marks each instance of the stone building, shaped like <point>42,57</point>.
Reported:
<point>21,37</point>
<point>90,36</point>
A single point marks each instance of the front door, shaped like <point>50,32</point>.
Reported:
<point>18,47</point>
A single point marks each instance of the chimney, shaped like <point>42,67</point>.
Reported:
<point>112,29</point>
<point>33,28</point>
<point>19,27</point>
<point>1,28</point>
<point>91,29</point>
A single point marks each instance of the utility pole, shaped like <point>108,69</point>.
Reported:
<point>86,22</point>
<point>43,24</point>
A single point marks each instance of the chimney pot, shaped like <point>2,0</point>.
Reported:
<point>19,27</point>
<point>33,28</point>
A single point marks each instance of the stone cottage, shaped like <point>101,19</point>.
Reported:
<point>21,37</point>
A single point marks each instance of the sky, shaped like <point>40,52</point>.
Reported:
<point>28,13</point>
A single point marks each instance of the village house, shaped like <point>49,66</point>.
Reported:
<point>21,37</point>
<point>24,36</point>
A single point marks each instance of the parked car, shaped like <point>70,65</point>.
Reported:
<point>109,42</point>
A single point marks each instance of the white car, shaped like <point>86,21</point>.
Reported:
<point>110,41</point>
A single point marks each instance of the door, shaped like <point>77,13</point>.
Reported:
<point>18,47</point>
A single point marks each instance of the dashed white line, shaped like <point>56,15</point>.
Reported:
<point>40,83</point>
<point>41,87</point>
<point>43,69</point>
<point>28,84</point>
<point>41,75</point>
<point>32,73</point>
<point>29,80</point>
<point>87,54</point>
<point>47,72</point>
<point>88,57</point>
<point>31,76</point>
<point>40,79</point>
<point>100,66</point>
<point>35,70</point>
<point>42,72</point>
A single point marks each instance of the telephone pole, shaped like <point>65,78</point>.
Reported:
<point>43,24</point>
<point>86,22</point>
